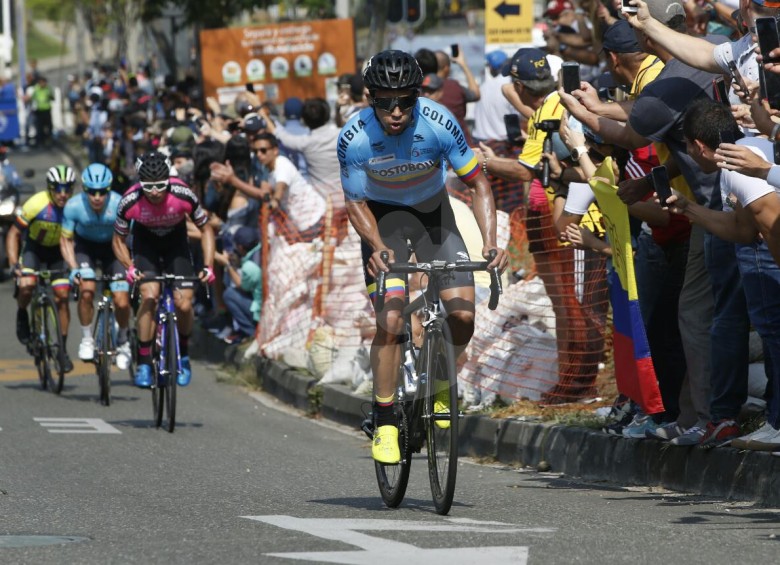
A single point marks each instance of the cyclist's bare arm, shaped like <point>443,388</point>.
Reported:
<point>68,252</point>
<point>12,245</point>
<point>485,214</point>
<point>193,232</point>
<point>121,251</point>
<point>207,244</point>
<point>364,222</point>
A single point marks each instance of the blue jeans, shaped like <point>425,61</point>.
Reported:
<point>660,273</point>
<point>730,331</point>
<point>238,304</point>
<point>761,279</point>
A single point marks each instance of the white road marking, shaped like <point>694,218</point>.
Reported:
<point>375,549</point>
<point>77,426</point>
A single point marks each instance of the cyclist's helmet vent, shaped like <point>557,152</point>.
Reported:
<point>60,175</point>
<point>97,177</point>
<point>153,166</point>
<point>392,70</point>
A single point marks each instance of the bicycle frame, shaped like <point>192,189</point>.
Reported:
<point>166,306</point>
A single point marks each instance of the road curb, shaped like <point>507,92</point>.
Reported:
<point>574,451</point>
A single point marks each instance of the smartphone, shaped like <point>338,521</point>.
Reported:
<point>661,183</point>
<point>513,130</point>
<point>776,146</point>
<point>736,76</point>
<point>768,40</point>
<point>455,50</point>
<point>250,87</point>
<point>727,136</point>
<point>719,91</point>
<point>626,7</point>
<point>570,76</point>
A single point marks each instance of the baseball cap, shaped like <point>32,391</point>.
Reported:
<point>555,7</point>
<point>432,81</point>
<point>253,123</point>
<point>528,64</point>
<point>496,59</point>
<point>620,38</point>
<point>665,10</point>
<point>246,237</point>
<point>293,107</point>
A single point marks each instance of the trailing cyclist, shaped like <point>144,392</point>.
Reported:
<point>40,223</point>
<point>87,230</point>
<point>392,157</point>
<point>158,207</point>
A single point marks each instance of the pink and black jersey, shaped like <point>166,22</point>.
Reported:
<point>159,219</point>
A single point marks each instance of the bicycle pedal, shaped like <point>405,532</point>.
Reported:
<point>368,427</point>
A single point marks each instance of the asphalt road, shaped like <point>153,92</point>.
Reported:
<point>246,480</point>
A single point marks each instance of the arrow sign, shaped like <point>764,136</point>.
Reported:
<point>505,9</point>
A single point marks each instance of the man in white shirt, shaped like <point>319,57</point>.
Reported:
<point>492,106</point>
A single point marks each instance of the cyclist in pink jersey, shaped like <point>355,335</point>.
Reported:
<point>157,209</point>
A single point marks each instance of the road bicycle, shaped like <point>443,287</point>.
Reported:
<point>46,343</point>
<point>165,353</point>
<point>421,375</point>
<point>104,334</point>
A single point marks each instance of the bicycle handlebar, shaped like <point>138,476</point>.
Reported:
<point>166,278</point>
<point>496,288</point>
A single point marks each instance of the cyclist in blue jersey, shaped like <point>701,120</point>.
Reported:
<point>85,242</point>
<point>393,157</point>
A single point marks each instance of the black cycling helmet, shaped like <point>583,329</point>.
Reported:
<point>153,167</point>
<point>392,70</point>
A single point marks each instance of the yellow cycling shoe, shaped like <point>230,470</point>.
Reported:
<point>385,446</point>
<point>441,403</point>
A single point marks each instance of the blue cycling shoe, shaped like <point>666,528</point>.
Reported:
<point>143,376</point>
<point>183,379</point>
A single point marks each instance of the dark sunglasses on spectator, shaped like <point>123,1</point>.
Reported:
<point>97,191</point>
<point>263,150</point>
<point>62,188</point>
<point>389,104</point>
<point>150,186</point>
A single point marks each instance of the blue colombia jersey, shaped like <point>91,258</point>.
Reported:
<point>403,169</point>
<point>82,220</point>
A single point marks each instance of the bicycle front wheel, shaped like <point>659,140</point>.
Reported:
<point>37,346</point>
<point>104,342</point>
<point>393,479</point>
<point>55,346</point>
<point>172,364</point>
<point>441,418</point>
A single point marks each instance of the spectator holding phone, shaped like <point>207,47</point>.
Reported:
<point>454,95</point>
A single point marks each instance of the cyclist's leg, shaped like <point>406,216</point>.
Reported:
<point>61,289</point>
<point>146,259</point>
<point>29,262</point>
<point>120,289</point>
<point>86,310</point>
<point>178,260</point>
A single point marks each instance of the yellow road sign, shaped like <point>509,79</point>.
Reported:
<point>508,21</point>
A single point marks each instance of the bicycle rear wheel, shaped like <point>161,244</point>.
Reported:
<point>172,364</point>
<point>55,346</point>
<point>132,336</point>
<point>37,346</point>
<point>104,342</point>
<point>158,384</point>
<point>441,428</point>
<point>393,479</point>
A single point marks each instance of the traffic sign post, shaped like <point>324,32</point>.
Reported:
<point>508,23</point>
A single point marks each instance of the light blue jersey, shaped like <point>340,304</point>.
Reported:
<point>81,219</point>
<point>403,169</point>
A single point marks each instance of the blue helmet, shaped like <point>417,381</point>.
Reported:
<point>97,177</point>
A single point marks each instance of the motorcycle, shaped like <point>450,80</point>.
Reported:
<point>9,208</point>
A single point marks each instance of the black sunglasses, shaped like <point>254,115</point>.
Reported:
<point>389,104</point>
<point>263,150</point>
<point>97,191</point>
<point>62,188</point>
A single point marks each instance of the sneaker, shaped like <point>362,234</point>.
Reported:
<point>224,332</point>
<point>183,378</point>
<point>385,445</point>
<point>621,414</point>
<point>236,338</point>
<point>123,356</point>
<point>67,364</point>
<point>692,436</point>
<point>769,441</point>
<point>639,427</point>
<point>666,432</point>
<point>720,433</point>
<point>87,349</point>
<point>441,403</point>
<point>741,442</point>
<point>143,376</point>
<point>22,326</point>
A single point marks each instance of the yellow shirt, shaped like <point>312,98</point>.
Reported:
<point>41,219</point>
<point>551,109</point>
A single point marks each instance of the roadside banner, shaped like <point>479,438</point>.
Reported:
<point>9,113</point>
<point>634,371</point>
<point>302,59</point>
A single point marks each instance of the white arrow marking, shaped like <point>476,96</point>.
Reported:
<point>77,426</point>
<point>375,548</point>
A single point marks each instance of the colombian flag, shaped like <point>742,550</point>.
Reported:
<point>634,370</point>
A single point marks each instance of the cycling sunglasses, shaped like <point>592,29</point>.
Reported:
<point>389,104</point>
<point>148,187</point>
<point>97,191</point>
<point>62,188</point>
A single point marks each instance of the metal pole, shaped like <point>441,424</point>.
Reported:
<point>21,44</point>
<point>80,33</point>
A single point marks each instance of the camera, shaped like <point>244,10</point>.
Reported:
<point>549,126</point>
